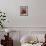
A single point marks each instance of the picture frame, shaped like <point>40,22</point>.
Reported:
<point>23,10</point>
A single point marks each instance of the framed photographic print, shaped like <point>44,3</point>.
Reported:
<point>23,10</point>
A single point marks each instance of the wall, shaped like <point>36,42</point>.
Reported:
<point>36,13</point>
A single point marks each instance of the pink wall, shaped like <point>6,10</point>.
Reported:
<point>36,13</point>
